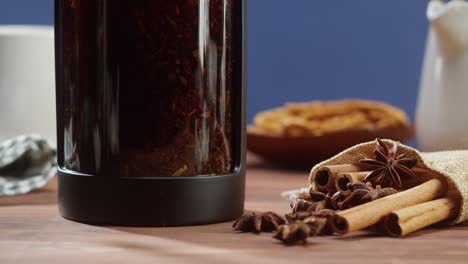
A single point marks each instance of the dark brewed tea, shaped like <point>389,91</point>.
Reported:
<point>149,88</point>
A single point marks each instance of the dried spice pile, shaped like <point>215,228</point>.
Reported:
<point>311,213</point>
<point>324,211</point>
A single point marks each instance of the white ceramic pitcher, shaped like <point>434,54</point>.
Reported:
<point>442,114</point>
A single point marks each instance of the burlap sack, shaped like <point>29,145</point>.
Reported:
<point>453,165</point>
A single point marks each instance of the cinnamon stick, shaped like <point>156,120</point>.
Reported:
<point>407,220</point>
<point>344,178</point>
<point>324,178</point>
<point>368,214</point>
<point>422,175</point>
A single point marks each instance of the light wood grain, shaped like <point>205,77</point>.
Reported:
<point>31,231</point>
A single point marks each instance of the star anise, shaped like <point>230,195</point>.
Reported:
<point>363,193</point>
<point>325,214</point>
<point>258,222</point>
<point>299,231</point>
<point>298,216</point>
<point>388,168</point>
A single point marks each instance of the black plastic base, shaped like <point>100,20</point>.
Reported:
<point>154,202</point>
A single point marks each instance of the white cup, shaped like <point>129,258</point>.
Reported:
<point>27,81</point>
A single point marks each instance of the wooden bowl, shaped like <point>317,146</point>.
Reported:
<point>304,152</point>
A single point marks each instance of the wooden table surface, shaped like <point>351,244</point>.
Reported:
<point>32,231</point>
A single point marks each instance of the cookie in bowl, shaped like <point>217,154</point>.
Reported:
<point>301,134</point>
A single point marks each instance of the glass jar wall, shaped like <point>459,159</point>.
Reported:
<point>149,88</point>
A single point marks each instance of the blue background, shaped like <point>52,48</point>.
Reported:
<point>302,50</point>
